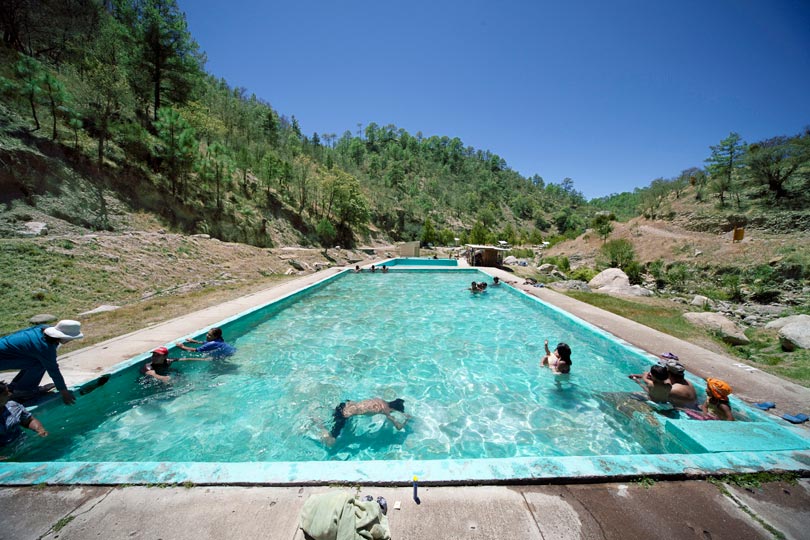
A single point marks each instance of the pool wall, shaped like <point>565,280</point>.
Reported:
<point>417,261</point>
<point>787,448</point>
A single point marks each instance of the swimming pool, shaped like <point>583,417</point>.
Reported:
<point>416,261</point>
<point>466,365</point>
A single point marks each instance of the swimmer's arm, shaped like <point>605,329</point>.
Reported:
<point>325,436</point>
<point>641,381</point>
<point>162,378</point>
<point>545,345</point>
<point>725,412</point>
<point>35,425</point>
<point>398,424</point>
<point>180,345</point>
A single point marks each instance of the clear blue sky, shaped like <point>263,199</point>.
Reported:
<point>612,94</point>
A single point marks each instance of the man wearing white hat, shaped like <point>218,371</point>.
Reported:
<point>33,352</point>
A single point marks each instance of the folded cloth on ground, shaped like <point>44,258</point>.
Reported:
<point>765,405</point>
<point>795,418</point>
<point>339,516</point>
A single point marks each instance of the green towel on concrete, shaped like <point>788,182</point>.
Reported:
<point>339,516</point>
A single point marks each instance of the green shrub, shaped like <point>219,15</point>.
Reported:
<point>522,253</point>
<point>617,253</point>
<point>560,261</point>
<point>677,276</point>
<point>583,273</point>
<point>657,271</point>
<point>633,269</point>
<point>731,284</point>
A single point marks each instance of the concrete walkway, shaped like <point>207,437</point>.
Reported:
<point>664,510</point>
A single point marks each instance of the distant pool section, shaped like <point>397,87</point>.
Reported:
<point>419,261</point>
<point>676,446</point>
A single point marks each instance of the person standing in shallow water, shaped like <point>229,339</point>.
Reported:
<point>214,345</point>
<point>655,382</point>
<point>560,360</point>
<point>12,416</point>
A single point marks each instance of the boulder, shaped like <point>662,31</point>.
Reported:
<point>701,301</point>
<point>557,274</point>
<point>298,265</point>
<point>612,277</point>
<point>728,331</point>
<point>784,321</point>
<point>42,318</point>
<point>35,228</point>
<point>615,282</point>
<point>570,285</point>
<point>510,260</point>
<point>630,290</point>
<point>795,335</point>
<point>546,268</point>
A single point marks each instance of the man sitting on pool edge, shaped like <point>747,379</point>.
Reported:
<point>367,407</point>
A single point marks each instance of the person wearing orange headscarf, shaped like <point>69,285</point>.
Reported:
<point>716,403</point>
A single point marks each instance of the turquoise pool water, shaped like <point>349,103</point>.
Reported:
<point>416,261</point>
<point>466,366</point>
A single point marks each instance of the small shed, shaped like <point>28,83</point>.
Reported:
<point>409,249</point>
<point>481,255</point>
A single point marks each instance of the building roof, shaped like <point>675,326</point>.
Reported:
<point>479,246</point>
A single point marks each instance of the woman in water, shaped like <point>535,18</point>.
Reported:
<point>560,360</point>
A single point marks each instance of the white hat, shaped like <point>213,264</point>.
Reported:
<point>65,330</point>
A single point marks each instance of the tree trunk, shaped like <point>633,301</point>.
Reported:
<point>34,111</point>
<point>157,84</point>
<point>53,113</point>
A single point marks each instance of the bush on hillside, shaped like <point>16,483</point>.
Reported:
<point>617,254</point>
<point>560,261</point>
<point>634,270</point>
<point>657,271</point>
<point>583,273</point>
<point>677,276</point>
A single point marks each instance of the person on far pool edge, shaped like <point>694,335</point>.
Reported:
<point>560,360</point>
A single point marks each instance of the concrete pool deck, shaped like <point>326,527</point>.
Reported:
<point>672,509</point>
<point>620,511</point>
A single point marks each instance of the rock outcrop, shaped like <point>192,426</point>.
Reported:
<point>570,285</point>
<point>725,328</point>
<point>615,282</point>
<point>796,334</point>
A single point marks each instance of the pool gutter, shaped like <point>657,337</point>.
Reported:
<point>436,472</point>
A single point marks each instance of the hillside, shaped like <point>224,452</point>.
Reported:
<point>150,274</point>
